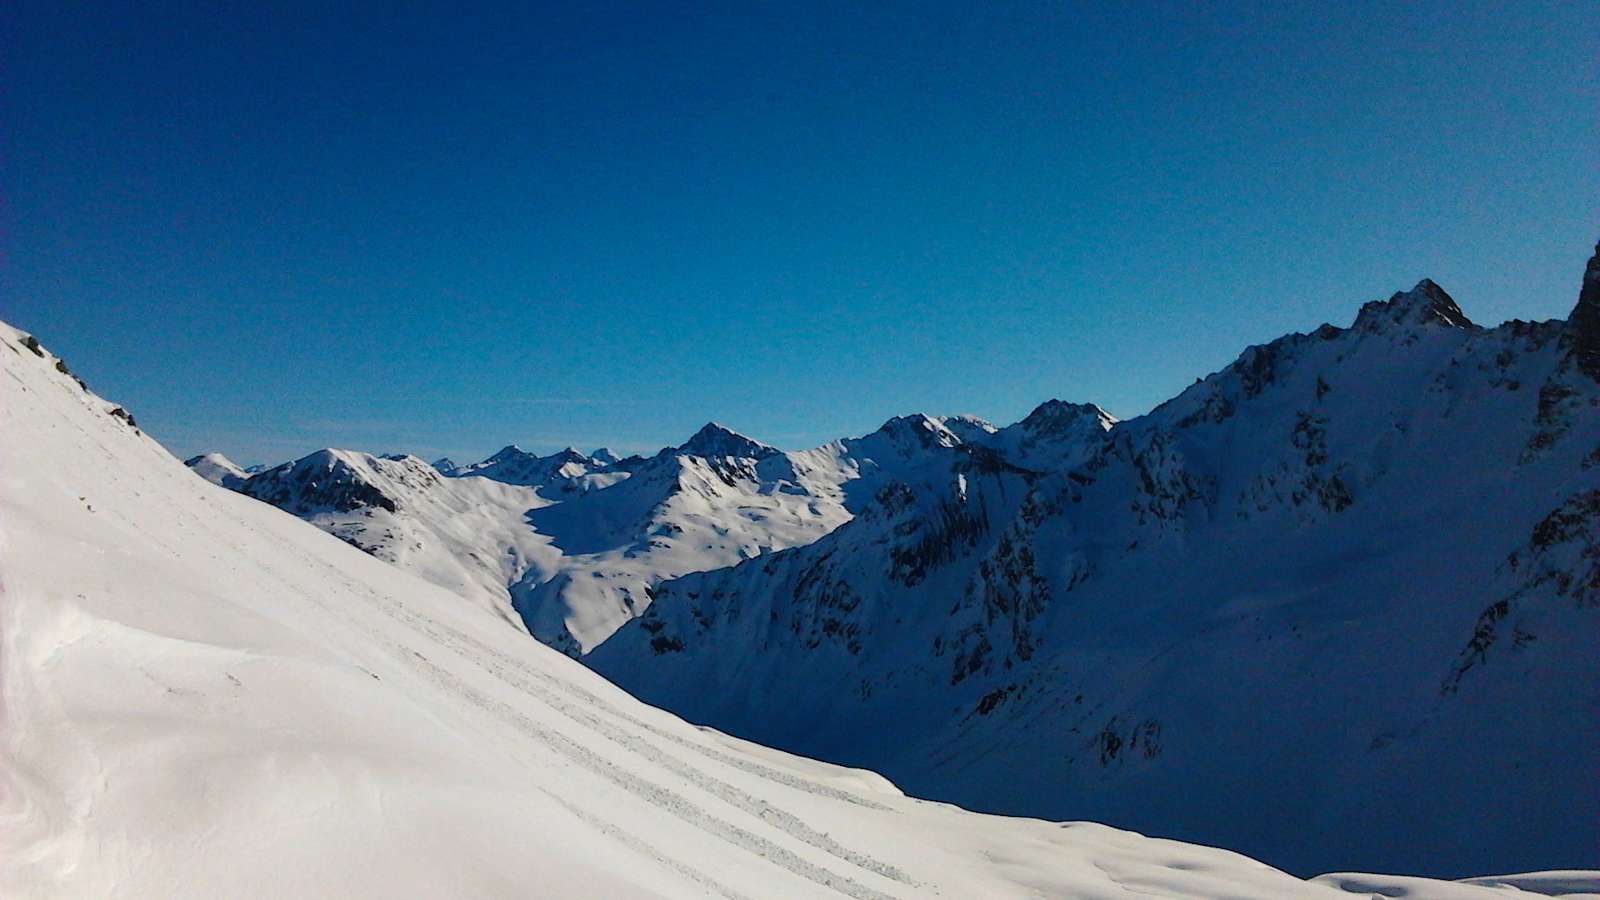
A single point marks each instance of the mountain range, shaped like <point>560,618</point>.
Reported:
<point>204,696</point>
<point>1350,578</point>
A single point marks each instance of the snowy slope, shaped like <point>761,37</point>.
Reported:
<point>203,697</point>
<point>1336,606</point>
<point>466,534</point>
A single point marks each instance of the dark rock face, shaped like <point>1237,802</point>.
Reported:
<point>1585,320</point>
<point>1559,564</point>
<point>714,441</point>
<point>1425,304</point>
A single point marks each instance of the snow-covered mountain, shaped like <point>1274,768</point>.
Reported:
<point>466,534</point>
<point>574,543</point>
<point>217,469</point>
<point>1058,614</point>
<point>571,543</point>
<point>1337,604</point>
<point>205,697</point>
<point>715,500</point>
<point>513,465</point>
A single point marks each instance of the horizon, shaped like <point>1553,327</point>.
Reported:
<point>419,232</point>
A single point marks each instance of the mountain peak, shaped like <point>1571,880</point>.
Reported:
<point>509,451</point>
<point>514,465</point>
<point>326,479</point>
<point>919,429</point>
<point>217,469</point>
<point>213,458</point>
<point>327,456</point>
<point>1056,415</point>
<point>967,426</point>
<point>717,440</point>
<point>1585,320</point>
<point>919,420</point>
<point>1427,304</point>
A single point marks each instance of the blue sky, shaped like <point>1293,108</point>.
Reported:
<point>271,230</point>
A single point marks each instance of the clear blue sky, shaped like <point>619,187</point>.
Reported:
<point>275,229</point>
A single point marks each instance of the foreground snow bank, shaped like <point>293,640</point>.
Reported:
<point>203,696</point>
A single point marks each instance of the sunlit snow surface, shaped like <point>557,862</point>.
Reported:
<point>205,697</point>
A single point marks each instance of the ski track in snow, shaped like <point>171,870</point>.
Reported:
<point>639,845</point>
<point>507,670</point>
<point>515,674</point>
<point>648,791</point>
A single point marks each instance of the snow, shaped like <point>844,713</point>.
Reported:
<point>580,541</point>
<point>513,465</point>
<point>217,469</point>
<point>1334,606</point>
<point>1076,616</point>
<point>206,697</point>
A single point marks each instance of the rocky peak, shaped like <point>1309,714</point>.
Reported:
<point>1057,416</point>
<point>327,479</point>
<point>967,427</point>
<point>605,456</point>
<point>444,465</point>
<point>1427,304</point>
<point>1056,434</point>
<point>918,429</point>
<point>714,441</point>
<point>508,453</point>
<point>513,465</point>
<point>1585,320</point>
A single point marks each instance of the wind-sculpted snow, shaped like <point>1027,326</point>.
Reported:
<point>1334,605</point>
<point>204,697</point>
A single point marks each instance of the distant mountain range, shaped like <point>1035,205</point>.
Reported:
<point>1335,605</point>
